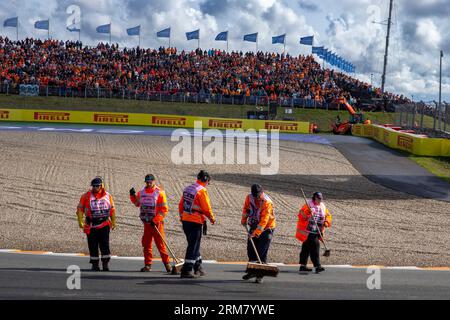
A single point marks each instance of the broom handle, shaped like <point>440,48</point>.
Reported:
<point>165,243</point>
<point>253,244</point>
<point>318,229</point>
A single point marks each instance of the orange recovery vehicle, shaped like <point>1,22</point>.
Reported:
<point>342,128</point>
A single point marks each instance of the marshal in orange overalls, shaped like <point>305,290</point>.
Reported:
<point>152,202</point>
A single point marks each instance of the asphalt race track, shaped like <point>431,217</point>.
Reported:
<point>26,276</point>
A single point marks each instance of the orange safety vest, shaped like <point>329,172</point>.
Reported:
<point>259,218</point>
<point>305,222</point>
<point>148,204</point>
<point>194,204</point>
<point>98,213</point>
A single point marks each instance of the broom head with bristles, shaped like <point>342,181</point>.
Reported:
<point>262,270</point>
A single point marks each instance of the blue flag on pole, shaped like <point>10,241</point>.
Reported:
<point>193,35</point>
<point>333,59</point>
<point>252,37</point>
<point>43,24</point>
<point>73,29</point>
<point>106,28</point>
<point>318,51</point>
<point>307,40</point>
<point>11,22</point>
<point>135,31</point>
<point>163,33</point>
<point>223,36</point>
<point>278,39</point>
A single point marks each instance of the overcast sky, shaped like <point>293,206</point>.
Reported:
<point>420,30</point>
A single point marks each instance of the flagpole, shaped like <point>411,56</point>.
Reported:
<point>110,30</point>
<point>48,30</point>
<point>17,30</point>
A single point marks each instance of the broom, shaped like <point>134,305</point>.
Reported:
<point>176,268</point>
<point>327,252</point>
<point>260,269</point>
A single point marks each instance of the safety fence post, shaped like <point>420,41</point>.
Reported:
<point>435,115</point>
<point>422,114</point>
<point>413,121</point>
<point>446,119</point>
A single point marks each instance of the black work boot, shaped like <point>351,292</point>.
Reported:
<point>95,266</point>
<point>187,274</point>
<point>147,268</point>
<point>320,269</point>
<point>304,269</point>
<point>200,272</point>
<point>168,267</point>
<point>105,265</point>
<point>248,276</point>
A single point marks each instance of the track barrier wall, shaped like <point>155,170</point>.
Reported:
<point>152,120</point>
<point>396,139</point>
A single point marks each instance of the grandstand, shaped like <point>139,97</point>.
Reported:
<point>82,70</point>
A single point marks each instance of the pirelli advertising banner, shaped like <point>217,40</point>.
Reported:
<point>415,144</point>
<point>154,120</point>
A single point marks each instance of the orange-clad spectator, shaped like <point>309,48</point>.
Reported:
<point>152,202</point>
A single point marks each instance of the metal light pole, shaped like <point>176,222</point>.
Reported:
<point>440,89</point>
<point>383,78</point>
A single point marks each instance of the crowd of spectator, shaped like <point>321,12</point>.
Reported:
<point>277,76</point>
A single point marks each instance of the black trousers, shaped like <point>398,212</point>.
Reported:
<point>193,258</point>
<point>99,238</point>
<point>311,248</point>
<point>262,244</point>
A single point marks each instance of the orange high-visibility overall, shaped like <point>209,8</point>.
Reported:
<point>153,208</point>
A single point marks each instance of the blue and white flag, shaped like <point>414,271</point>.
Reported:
<point>43,24</point>
<point>223,36</point>
<point>252,37</point>
<point>193,35</point>
<point>11,22</point>
<point>163,33</point>
<point>279,39</point>
<point>135,31</point>
<point>307,40</point>
<point>73,28</point>
<point>318,51</point>
<point>106,28</point>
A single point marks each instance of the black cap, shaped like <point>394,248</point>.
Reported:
<point>203,176</point>
<point>96,182</point>
<point>256,190</point>
<point>318,195</point>
<point>149,177</point>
